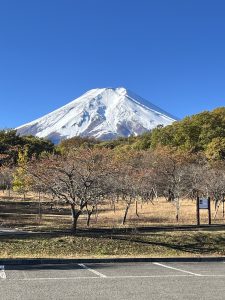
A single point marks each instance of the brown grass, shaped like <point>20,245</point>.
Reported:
<point>145,244</point>
<point>15,212</point>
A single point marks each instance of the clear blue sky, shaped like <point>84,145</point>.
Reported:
<point>170,52</point>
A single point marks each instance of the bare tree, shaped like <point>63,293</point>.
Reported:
<point>173,176</point>
<point>6,178</point>
<point>80,178</point>
<point>127,184</point>
<point>214,181</point>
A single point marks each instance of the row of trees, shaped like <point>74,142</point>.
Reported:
<point>83,178</point>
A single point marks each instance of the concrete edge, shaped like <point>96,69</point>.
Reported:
<point>46,261</point>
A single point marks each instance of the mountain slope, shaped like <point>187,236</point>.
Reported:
<point>104,113</point>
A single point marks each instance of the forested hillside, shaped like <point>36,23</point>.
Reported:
<point>203,132</point>
<point>11,144</point>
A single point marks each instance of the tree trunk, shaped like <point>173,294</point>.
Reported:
<point>89,218</point>
<point>89,213</point>
<point>126,211</point>
<point>215,203</point>
<point>216,207</point>
<point>177,209</point>
<point>136,208</point>
<point>39,206</point>
<point>96,214</point>
<point>75,215</point>
<point>112,204</point>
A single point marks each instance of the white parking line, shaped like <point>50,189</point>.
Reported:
<point>176,269</point>
<point>91,270</point>
<point>97,277</point>
<point>114,277</point>
<point>2,272</point>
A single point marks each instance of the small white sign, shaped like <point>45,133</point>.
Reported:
<point>203,203</point>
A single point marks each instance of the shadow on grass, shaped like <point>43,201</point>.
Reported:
<point>195,243</point>
<point>196,246</point>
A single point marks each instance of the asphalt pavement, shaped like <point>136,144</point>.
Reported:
<point>147,280</point>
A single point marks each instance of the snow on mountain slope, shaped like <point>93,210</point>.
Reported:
<point>105,114</point>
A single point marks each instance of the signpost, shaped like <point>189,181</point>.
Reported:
<point>223,203</point>
<point>203,203</point>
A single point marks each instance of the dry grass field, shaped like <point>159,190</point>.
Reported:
<point>17,212</point>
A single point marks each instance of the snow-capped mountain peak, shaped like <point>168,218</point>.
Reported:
<point>103,113</point>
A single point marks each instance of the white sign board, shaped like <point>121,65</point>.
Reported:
<point>203,203</point>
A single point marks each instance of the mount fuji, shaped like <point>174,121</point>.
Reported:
<point>103,113</point>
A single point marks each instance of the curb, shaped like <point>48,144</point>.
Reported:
<point>43,261</point>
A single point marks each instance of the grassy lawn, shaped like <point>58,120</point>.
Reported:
<point>86,245</point>
<point>15,212</point>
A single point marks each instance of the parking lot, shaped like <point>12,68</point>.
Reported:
<point>157,280</point>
